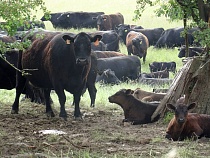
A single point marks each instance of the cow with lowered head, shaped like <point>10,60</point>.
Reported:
<point>109,21</point>
<point>135,111</point>
<point>187,125</point>
<point>62,62</point>
<point>160,66</point>
<point>137,44</point>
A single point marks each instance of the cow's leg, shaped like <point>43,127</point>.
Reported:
<point>62,100</point>
<point>20,84</point>
<point>49,110</point>
<point>77,113</point>
<point>92,92</point>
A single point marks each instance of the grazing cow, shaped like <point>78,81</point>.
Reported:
<point>125,67</point>
<point>110,39</point>
<point>135,111</point>
<point>193,51</point>
<point>108,54</point>
<point>160,66</point>
<point>187,125</point>
<point>137,44</point>
<point>61,62</point>
<point>171,38</point>
<point>109,21</point>
<point>152,34</point>
<point>147,96</point>
<point>108,77</point>
<point>78,20</point>
<point>158,74</point>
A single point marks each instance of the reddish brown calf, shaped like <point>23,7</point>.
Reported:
<point>135,111</point>
<point>187,125</point>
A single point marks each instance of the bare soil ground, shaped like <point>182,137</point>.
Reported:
<point>100,134</point>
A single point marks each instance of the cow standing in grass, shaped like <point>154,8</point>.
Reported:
<point>61,62</point>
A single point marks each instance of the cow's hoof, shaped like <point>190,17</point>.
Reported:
<point>92,106</point>
<point>63,115</point>
<point>14,112</point>
<point>79,118</point>
<point>50,114</point>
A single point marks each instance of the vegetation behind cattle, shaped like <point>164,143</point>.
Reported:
<point>107,137</point>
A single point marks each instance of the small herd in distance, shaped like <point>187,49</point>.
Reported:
<point>64,61</point>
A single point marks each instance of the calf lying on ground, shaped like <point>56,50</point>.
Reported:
<point>187,125</point>
<point>135,111</point>
<point>147,96</point>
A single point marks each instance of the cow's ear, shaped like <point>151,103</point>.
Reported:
<point>191,106</point>
<point>96,37</point>
<point>68,39</point>
<point>171,107</point>
<point>128,91</point>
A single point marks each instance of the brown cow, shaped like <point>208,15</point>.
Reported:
<point>148,96</point>
<point>109,21</point>
<point>135,111</point>
<point>137,44</point>
<point>187,125</point>
<point>107,54</point>
<point>62,62</point>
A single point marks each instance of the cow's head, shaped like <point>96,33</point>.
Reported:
<point>82,46</point>
<point>108,76</point>
<point>181,111</point>
<point>137,44</point>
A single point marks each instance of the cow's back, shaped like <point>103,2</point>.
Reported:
<point>124,66</point>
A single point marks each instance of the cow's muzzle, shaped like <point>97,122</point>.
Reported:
<point>81,61</point>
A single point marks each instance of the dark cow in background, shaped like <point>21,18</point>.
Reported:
<point>171,38</point>
<point>62,63</point>
<point>108,54</point>
<point>159,66</point>
<point>193,51</point>
<point>135,111</point>
<point>109,21</point>
<point>27,25</point>
<point>78,20</point>
<point>125,67</point>
<point>109,38</point>
<point>152,34</point>
<point>158,74</point>
<point>108,77</point>
<point>137,44</point>
<point>185,125</point>
<point>8,77</point>
<point>7,39</point>
<point>98,45</point>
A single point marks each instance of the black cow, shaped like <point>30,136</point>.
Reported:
<point>158,74</point>
<point>54,19</point>
<point>98,45</point>
<point>159,66</point>
<point>110,39</point>
<point>62,62</point>
<point>152,34</point>
<point>125,67</point>
<point>8,77</point>
<point>137,44</point>
<point>109,21</point>
<point>193,51</point>
<point>171,38</point>
<point>79,20</point>
<point>108,77</point>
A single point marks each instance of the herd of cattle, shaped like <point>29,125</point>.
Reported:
<point>61,61</point>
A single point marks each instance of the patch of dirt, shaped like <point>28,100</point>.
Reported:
<point>100,134</point>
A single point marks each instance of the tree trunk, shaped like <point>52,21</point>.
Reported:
<point>193,82</point>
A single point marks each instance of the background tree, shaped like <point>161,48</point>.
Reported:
<point>193,79</point>
<point>16,13</point>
